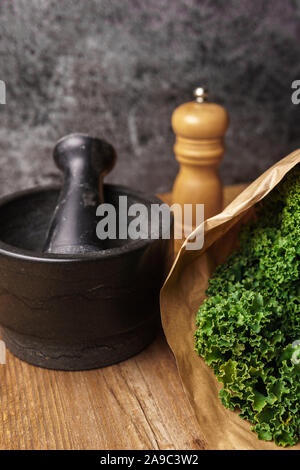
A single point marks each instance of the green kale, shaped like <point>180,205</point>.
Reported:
<point>248,329</point>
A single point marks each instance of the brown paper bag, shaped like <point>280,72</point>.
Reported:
<point>184,291</point>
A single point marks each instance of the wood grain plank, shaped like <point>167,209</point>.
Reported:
<point>137,404</point>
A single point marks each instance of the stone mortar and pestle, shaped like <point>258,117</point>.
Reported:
<point>69,300</point>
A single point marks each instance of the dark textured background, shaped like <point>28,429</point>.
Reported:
<point>118,68</point>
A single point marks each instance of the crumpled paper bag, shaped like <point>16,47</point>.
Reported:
<point>184,291</point>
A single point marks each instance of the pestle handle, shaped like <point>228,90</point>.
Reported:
<point>84,162</point>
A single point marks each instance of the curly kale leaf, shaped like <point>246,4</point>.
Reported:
<point>248,329</point>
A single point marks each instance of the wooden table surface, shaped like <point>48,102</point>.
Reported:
<point>137,404</point>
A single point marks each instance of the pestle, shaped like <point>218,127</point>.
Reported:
<point>84,162</point>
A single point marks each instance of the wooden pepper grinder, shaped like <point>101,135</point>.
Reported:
<point>200,127</point>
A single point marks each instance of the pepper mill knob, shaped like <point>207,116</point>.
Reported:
<point>200,127</point>
<point>84,161</point>
<point>200,94</point>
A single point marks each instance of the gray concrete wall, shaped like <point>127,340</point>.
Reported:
<point>118,68</point>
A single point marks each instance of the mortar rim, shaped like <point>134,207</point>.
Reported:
<point>11,251</point>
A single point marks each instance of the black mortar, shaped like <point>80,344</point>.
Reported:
<point>76,311</point>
